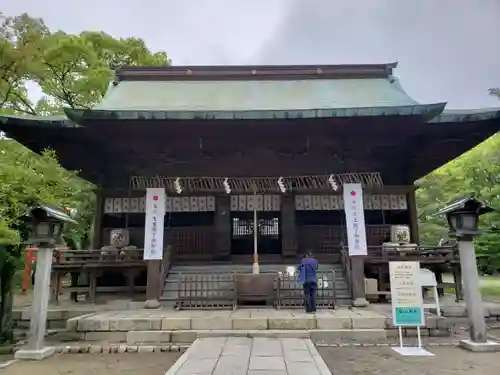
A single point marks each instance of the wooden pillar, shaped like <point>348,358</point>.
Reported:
<point>358,281</point>
<point>412,210</point>
<point>222,226</point>
<point>289,245</point>
<point>153,286</point>
<point>96,240</point>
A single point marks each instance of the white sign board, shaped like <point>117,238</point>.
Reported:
<point>406,294</point>
<point>153,228</point>
<point>355,219</point>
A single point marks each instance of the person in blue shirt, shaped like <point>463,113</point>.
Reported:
<point>307,277</point>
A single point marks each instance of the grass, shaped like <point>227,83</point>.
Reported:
<point>489,285</point>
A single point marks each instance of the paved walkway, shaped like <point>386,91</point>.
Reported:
<point>245,356</point>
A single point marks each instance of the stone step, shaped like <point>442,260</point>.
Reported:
<point>318,336</point>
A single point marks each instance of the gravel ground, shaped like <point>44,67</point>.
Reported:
<point>383,360</point>
<point>87,364</point>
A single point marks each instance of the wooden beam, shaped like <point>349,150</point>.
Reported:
<point>96,241</point>
<point>223,226</point>
<point>412,210</point>
<point>256,184</point>
<point>358,281</point>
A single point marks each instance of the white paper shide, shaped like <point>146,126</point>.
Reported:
<point>155,215</point>
<point>355,219</point>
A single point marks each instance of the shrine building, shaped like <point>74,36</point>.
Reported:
<point>225,141</point>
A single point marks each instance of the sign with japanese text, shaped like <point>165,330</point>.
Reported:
<point>153,228</point>
<point>406,294</point>
<point>355,219</point>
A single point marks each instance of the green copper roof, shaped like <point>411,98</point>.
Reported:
<point>467,115</point>
<point>227,96</point>
<point>40,121</point>
<point>240,99</point>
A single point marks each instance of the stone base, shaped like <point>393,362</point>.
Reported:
<point>152,304</point>
<point>360,302</point>
<point>35,354</point>
<point>480,347</point>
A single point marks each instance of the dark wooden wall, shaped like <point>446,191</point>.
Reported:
<point>213,241</point>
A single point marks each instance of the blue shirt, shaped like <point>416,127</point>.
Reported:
<point>307,270</point>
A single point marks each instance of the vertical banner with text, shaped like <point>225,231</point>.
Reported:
<point>355,219</point>
<point>153,228</point>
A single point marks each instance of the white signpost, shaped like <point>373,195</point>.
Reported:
<point>407,304</point>
<point>155,215</point>
<point>355,219</point>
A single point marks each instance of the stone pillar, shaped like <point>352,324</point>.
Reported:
<point>472,294</point>
<point>289,245</point>
<point>223,227</point>
<point>358,281</point>
<point>153,286</point>
<point>36,348</point>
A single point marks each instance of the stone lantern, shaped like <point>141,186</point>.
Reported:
<point>45,223</point>
<point>463,218</point>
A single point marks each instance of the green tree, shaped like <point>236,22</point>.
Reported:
<point>27,178</point>
<point>20,42</point>
<point>73,71</point>
<point>478,172</point>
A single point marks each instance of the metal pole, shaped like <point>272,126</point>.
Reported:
<point>255,266</point>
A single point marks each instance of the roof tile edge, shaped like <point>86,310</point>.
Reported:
<point>255,72</point>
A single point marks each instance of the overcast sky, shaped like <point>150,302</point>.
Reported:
<point>448,50</point>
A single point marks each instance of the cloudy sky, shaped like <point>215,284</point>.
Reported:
<point>448,50</point>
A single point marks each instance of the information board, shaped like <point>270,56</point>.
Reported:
<point>406,294</point>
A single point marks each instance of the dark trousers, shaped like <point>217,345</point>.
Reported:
<point>310,296</point>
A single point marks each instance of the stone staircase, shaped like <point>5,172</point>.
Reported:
<point>169,297</point>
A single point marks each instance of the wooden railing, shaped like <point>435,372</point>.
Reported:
<point>424,254</point>
<point>207,291</point>
<point>166,264</point>
<point>91,264</point>
<point>290,294</point>
<point>223,290</point>
<point>346,265</point>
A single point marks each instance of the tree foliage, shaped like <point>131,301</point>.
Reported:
<point>27,178</point>
<point>71,70</point>
<point>477,171</point>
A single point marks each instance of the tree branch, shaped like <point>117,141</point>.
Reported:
<point>30,110</point>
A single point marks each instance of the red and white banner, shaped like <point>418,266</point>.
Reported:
<point>355,219</point>
<point>153,228</point>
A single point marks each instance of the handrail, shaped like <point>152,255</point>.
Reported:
<point>105,255</point>
<point>346,265</point>
<point>166,264</point>
<point>445,252</point>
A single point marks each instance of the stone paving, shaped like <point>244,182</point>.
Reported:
<point>246,356</point>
